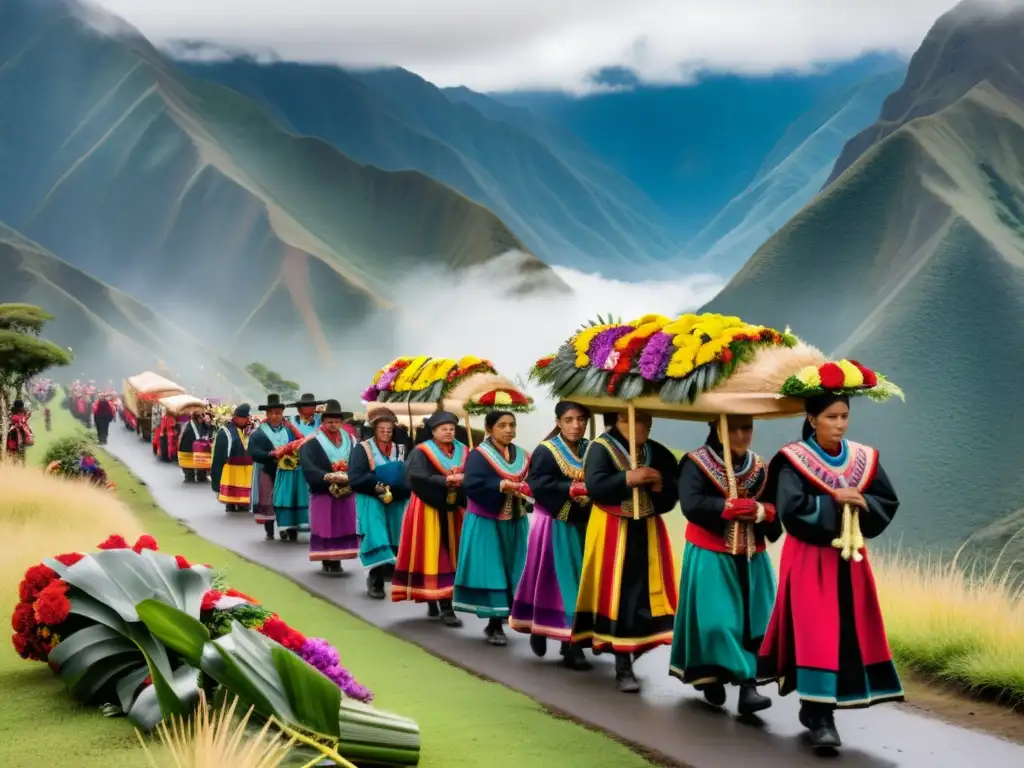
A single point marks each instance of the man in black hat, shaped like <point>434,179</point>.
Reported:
<point>231,473</point>
<point>308,420</point>
<point>279,492</point>
<point>425,572</point>
<point>333,532</point>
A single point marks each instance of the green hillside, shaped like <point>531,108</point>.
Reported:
<point>111,334</point>
<point>195,200</point>
<point>913,261</point>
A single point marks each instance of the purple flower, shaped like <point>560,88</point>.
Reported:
<point>655,357</point>
<point>370,395</point>
<point>323,656</point>
<point>603,345</point>
<point>385,381</point>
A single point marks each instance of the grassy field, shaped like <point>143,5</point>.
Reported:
<point>478,721</point>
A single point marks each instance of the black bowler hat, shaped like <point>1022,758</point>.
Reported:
<point>273,401</point>
<point>307,400</point>
<point>332,410</point>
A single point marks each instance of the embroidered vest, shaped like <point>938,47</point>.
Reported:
<point>854,467</point>
<point>571,466</point>
<point>621,461</point>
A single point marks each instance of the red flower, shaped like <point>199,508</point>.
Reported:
<point>148,680</point>
<point>24,646</point>
<point>613,383</point>
<point>69,559</point>
<point>145,541</point>
<point>37,578</point>
<point>544,362</point>
<point>114,541</point>
<point>182,562</point>
<point>628,355</point>
<point>24,618</point>
<point>281,633</point>
<point>210,599</point>
<point>487,398</point>
<point>52,606</point>
<point>832,376</point>
<point>242,595</point>
<point>870,379</point>
<point>726,355</point>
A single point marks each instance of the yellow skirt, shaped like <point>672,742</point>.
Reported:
<point>235,484</point>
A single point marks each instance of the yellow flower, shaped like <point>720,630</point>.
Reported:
<point>502,398</point>
<point>646,326</point>
<point>681,325</point>
<point>710,351</point>
<point>405,379</point>
<point>388,367</point>
<point>582,341</point>
<point>427,374</point>
<point>445,367</point>
<point>582,361</point>
<point>852,377</point>
<point>469,361</point>
<point>809,377</point>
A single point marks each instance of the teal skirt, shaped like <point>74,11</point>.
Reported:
<point>492,555</point>
<point>380,527</point>
<point>291,500</point>
<point>725,603</point>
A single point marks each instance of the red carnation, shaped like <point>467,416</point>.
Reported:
<point>832,376</point>
<point>37,578</point>
<point>145,541</point>
<point>517,397</point>
<point>487,398</point>
<point>23,645</point>
<point>182,562</point>
<point>114,541</point>
<point>210,599</point>
<point>544,362</point>
<point>69,559</point>
<point>870,379</point>
<point>726,355</point>
<point>24,618</point>
<point>281,633</point>
<point>242,595</point>
<point>52,605</point>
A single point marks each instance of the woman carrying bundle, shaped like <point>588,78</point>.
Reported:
<point>377,475</point>
<point>725,599</point>
<point>492,552</point>
<point>826,639</point>
<point>545,601</point>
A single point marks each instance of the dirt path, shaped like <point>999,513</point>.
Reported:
<point>668,721</point>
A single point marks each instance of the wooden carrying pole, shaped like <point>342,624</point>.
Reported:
<point>469,432</point>
<point>631,414</point>
<point>735,526</point>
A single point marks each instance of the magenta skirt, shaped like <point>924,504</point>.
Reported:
<point>332,527</point>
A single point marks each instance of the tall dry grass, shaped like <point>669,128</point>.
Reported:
<point>42,516</point>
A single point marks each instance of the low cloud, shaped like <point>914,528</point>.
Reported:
<point>543,45</point>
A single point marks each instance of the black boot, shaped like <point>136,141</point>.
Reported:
<point>332,567</point>
<point>819,720</point>
<point>448,616</point>
<point>375,584</point>
<point>201,477</point>
<point>573,658</point>
<point>751,701</point>
<point>714,693</point>
<point>293,534</point>
<point>539,645</point>
<point>624,677</point>
<point>495,633</point>
<point>190,476</point>
<point>432,610</point>
<point>268,529</point>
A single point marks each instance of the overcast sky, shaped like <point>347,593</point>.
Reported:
<point>503,45</point>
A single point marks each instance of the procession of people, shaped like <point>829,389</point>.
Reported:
<point>568,543</point>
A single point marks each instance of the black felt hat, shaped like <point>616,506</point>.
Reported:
<point>332,410</point>
<point>243,411</point>
<point>273,401</point>
<point>439,418</point>
<point>307,400</point>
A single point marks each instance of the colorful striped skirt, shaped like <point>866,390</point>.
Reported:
<point>236,483</point>
<point>545,601</point>
<point>332,527</point>
<point>826,639</point>
<point>428,553</point>
<point>492,554</point>
<point>725,603</point>
<point>380,529</point>
<point>291,500</point>
<point>262,495</point>
<point>627,600</point>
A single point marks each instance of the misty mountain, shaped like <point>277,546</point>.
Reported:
<point>692,148</point>
<point>913,262</point>
<point>792,173</point>
<point>564,203</point>
<point>111,334</point>
<point>194,199</point>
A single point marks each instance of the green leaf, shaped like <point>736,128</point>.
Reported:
<point>91,608</point>
<point>315,698</point>
<point>176,629</point>
<point>128,685</point>
<point>179,696</point>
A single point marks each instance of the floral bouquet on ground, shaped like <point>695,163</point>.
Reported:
<point>139,633</point>
<point>72,458</point>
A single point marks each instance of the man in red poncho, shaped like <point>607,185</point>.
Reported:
<point>19,433</point>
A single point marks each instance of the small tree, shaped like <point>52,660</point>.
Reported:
<point>272,382</point>
<point>22,355</point>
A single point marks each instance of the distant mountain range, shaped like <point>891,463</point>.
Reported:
<point>106,329</point>
<point>192,197</point>
<point>912,260</point>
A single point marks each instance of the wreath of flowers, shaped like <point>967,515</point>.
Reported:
<point>501,399</point>
<point>82,467</point>
<point>841,377</point>
<point>675,359</point>
<point>43,616</point>
<point>422,379</point>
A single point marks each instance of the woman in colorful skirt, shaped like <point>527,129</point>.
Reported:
<point>492,552</point>
<point>266,444</point>
<point>231,468</point>
<point>545,600</point>
<point>377,475</point>
<point>324,460</point>
<point>727,589</point>
<point>826,639</point>
<point>194,450</point>
<point>627,599</point>
<point>429,547</point>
